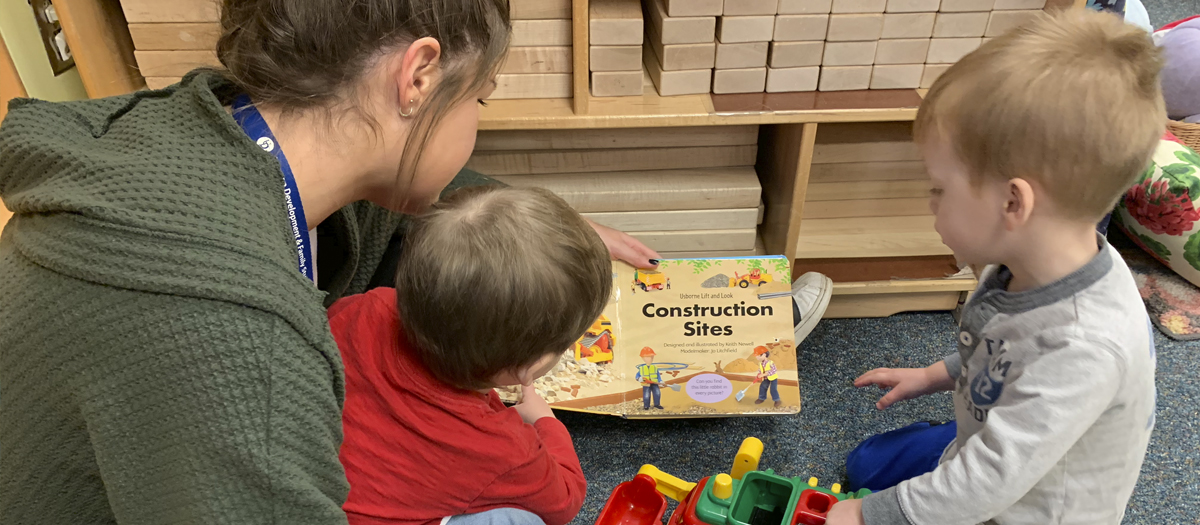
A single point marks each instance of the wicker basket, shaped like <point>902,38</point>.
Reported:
<point>1188,133</point>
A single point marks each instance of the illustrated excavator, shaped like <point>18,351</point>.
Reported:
<point>756,277</point>
<point>597,342</point>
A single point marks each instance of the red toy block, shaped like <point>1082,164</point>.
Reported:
<point>634,502</point>
<point>812,507</point>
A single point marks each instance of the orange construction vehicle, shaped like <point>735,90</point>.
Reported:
<point>597,342</point>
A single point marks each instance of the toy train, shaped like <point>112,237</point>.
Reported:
<point>744,496</point>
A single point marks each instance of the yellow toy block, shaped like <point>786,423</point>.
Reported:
<point>747,457</point>
<point>670,486</point>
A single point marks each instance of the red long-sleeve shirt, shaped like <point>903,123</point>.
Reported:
<point>417,450</point>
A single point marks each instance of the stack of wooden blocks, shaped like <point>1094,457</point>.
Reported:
<point>615,35</point>
<point>539,62</point>
<point>681,49</point>
<point>685,192</point>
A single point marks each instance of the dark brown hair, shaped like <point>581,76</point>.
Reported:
<point>495,278</point>
<point>302,54</point>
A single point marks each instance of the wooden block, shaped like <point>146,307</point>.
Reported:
<point>860,143</point>
<point>671,83</point>
<point>805,7</point>
<point>908,25</point>
<point>615,138</point>
<point>160,82</point>
<point>676,57</point>
<point>694,7</point>
<point>734,29</point>
<point>867,208</point>
<point>614,58</point>
<point>686,189</point>
<point>841,191</point>
<point>740,56</point>
<point>555,59</point>
<point>793,28</point>
<point>701,240</point>
<point>678,220</point>
<point>869,237</point>
<point>615,23</point>
<point>844,78</point>
<point>616,83</point>
<point>750,7</point>
<point>544,85</point>
<point>912,6</point>
<point>1001,22</point>
<point>950,50</point>
<point>902,51</point>
<point>960,25</point>
<point>958,6</point>
<point>171,37</point>
<point>672,30</point>
<point>855,28</point>
<point>858,6</point>
<point>780,80</point>
<point>539,9</point>
<point>897,76</point>
<point>749,80</point>
<point>931,74</point>
<point>173,63</point>
<point>849,54</point>
<point>541,33</point>
<point>138,11</point>
<point>1004,5</point>
<point>867,171</point>
<point>579,161</point>
<point>796,54</point>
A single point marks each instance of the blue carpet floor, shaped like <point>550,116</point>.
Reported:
<point>836,416</point>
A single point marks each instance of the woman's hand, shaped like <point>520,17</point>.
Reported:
<point>622,247</point>
<point>906,383</point>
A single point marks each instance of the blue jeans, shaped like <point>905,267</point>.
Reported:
<point>768,384</point>
<point>648,392</point>
<point>497,517</point>
<point>884,460</point>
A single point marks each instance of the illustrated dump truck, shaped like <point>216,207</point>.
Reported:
<point>756,277</point>
<point>649,280</point>
<point>597,342</point>
<point>744,496</point>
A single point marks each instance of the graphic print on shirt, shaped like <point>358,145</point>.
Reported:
<point>988,384</point>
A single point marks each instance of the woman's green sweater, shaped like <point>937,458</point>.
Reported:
<point>161,358</point>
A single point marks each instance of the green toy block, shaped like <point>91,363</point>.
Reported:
<point>711,509</point>
<point>762,499</point>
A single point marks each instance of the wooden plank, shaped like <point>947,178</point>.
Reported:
<point>890,189</point>
<point>173,37</point>
<point>905,286</point>
<point>556,59</point>
<point>174,63</point>
<point>539,9</point>
<point>847,270</point>
<point>616,138</point>
<point>543,85</point>
<point>711,188</point>
<point>573,161</point>
<point>883,305</point>
<point>160,82</point>
<point>10,87</point>
<point>677,220</point>
<point>97,34</point>
<point>581,35</point>
<point>785,161</point>
<point>138,11</point>
<point>700,240</point>
<point>615,23</point>
<point>866,208</point>
<point>527,33</point>
<point>869,237</point>
<point>864,171</point>
<point>876,142</point>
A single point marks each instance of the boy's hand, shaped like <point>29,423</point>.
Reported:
<point>848,512</point>
<point>623,247</point>
<point>906,383</point>
<point>532,407</point>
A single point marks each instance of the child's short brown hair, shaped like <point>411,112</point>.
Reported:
<point>495,278</point>
<point>1070,102</point>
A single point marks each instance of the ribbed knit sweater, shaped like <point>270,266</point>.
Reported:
<point>162,360</point>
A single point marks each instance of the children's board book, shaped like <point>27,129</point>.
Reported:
<point>692,338</point>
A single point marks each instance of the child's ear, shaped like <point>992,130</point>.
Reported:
<point>1018,205</point>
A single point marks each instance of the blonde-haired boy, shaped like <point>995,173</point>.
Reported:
<point>1029,141</point>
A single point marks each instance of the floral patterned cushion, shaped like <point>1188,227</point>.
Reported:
<point>1160,213</point>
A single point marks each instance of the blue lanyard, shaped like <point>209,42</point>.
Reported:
<point>253,124</point>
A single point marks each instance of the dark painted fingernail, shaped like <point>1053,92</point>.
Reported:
<point>654,262</point>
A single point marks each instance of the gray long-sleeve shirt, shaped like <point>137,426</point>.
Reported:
<point>1054,398</point>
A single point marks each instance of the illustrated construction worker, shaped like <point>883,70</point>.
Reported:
<point>651,380</point>
<point>768,375</point>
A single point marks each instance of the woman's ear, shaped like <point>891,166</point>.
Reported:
<point>416,73</point>
<point>1019,203</point>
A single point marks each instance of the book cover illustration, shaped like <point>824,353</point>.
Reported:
<point>693,338</point>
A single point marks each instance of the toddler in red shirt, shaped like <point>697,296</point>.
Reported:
<point>493,285</point>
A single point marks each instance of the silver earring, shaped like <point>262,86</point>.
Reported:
<point>410,109</point>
